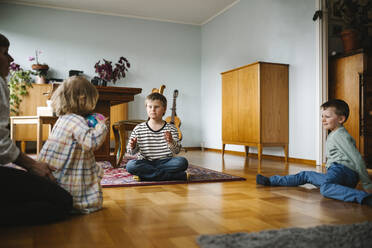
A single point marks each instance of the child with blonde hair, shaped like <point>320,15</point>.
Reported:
<point>71,144</point>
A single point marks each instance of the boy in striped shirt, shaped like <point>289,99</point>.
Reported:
<point>156,142</point>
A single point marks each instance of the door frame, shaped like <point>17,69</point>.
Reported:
<point>321,95</point>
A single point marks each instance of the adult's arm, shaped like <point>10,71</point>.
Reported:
<point>8,150</point>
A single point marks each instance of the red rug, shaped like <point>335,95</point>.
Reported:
<point>119,177</point>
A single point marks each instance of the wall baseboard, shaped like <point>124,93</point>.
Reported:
<point>194,148</point>
<point>272,157</point>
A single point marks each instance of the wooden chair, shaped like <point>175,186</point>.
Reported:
<point>120,130</point>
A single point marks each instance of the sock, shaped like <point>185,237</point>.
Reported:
<point>136,178</point>
<point>262,180</point>
<point>188,176</point>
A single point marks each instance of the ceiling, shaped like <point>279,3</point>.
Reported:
<point>195,12</point>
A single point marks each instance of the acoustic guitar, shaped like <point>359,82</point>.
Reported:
<point>173,119</point>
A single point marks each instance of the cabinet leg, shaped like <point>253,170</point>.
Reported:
<point>286,153</point>
<point>223,149</point>
<point>259,167</point>
<point>246,150</point>
<point>39,137</point>
<point>12,130</point>
<point>23,146</point>
<point>259,152</point>
<point>117,141</point>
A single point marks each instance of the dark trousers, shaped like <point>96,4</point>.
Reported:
<point>29,199</point>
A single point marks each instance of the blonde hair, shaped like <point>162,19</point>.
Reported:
<point>76,95</point>
<point>157,96</point>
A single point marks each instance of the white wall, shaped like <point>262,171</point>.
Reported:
<point>159,52</point>
<point>279,31</point>
<point>185,57</point>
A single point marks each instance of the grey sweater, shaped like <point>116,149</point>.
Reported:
<point>8,151</point>
<point>341,149</point>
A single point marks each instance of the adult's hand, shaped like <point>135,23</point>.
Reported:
<point>35,167</point>
<point>43,169</point>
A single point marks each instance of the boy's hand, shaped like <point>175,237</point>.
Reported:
<point>168,137</point>
<point>133,143</point>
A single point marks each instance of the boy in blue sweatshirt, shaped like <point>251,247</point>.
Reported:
<point>345,165</point>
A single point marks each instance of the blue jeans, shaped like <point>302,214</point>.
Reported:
<point>338,183</point>
<point>159,170</point>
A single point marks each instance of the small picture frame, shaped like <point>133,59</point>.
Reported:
<point>333,12</point>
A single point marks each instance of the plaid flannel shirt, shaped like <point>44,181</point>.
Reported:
<point>69,149</point>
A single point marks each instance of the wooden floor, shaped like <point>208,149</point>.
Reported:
<point>174,215</point>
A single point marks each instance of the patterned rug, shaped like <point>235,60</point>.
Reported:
<point>119,177</point>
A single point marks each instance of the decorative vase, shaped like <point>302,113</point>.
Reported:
<point>40,67</point>
<point>40,79</point>
<point>99,81</point>
<point>350,40</point>
<point>42,71</point>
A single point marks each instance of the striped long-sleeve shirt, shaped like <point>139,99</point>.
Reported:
<point>69,149</point>
<point>151,144</point>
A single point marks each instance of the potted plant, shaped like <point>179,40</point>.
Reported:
<point>354,14</point>
<point>107,73</point>
<point>19,82</point>
<point>41,69</point>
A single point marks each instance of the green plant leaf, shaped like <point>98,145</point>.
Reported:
<point>19,82</point>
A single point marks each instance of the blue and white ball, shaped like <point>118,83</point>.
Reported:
<point>92,119</point>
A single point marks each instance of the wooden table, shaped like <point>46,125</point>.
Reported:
<point>110,96</point>
<point>33,120</point>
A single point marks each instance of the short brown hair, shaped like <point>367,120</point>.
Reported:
<point>4,42</point>
<point>76,95</point>
<point>342,109</point>
<point>157,96</point>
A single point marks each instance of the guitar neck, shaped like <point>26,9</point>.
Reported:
<point>173,110</point>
